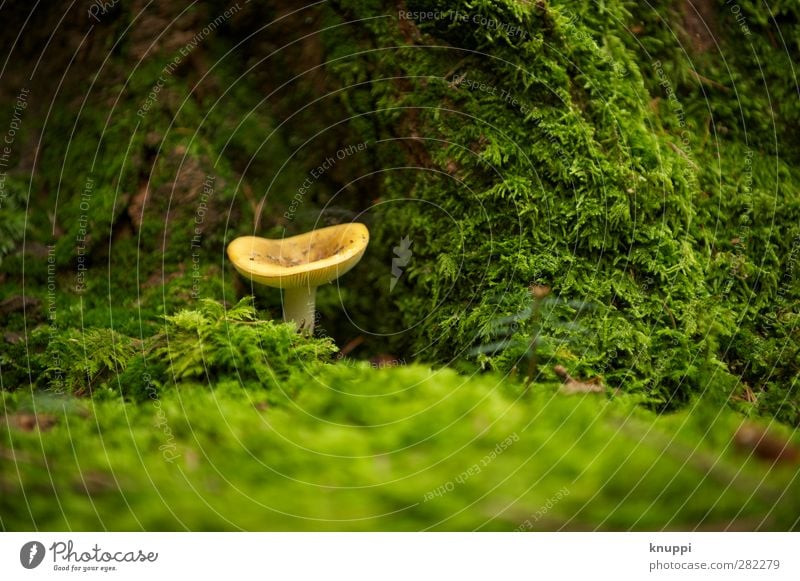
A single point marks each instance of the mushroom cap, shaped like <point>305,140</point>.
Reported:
<point>306,260</point>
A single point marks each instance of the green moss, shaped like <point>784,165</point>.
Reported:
<point>740,110</point>
<point>597,149</point>
<point>580,156</point>
<point>397,450</point>
<point>545,154</point>
<point>13,225</point>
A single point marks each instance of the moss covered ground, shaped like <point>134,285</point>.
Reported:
<point>637,160</point>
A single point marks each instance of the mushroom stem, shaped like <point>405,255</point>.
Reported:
<point>299,264</point>
<point>298,306</point>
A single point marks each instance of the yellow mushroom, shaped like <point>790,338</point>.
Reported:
<point>299,264</point>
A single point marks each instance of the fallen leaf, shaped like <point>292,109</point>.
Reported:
<point>572,385</point>
<point>539,291</point>
<point>12,337</point>
<point>757,440</point>
<point>28,422</point>
<point>18,303</point>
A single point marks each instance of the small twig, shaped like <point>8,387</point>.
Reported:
<point>457,66</point>
<point>257,208</point>
<point>708,81</point>
<point>671,316</point>
<point>683,154</point>
<point>350,346</point>
<point>531,367</point>
<point>538,292</point>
